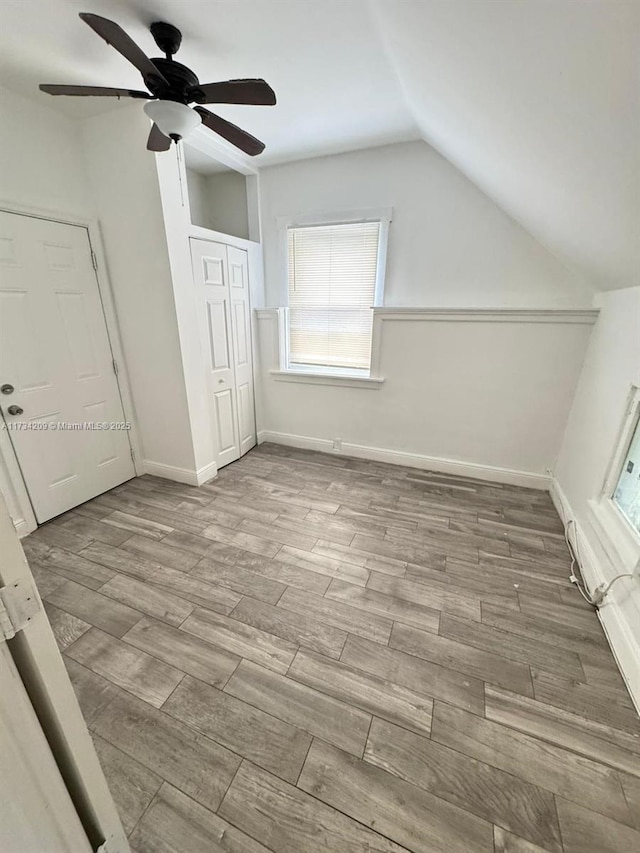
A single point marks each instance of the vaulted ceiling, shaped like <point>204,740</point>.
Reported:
<point>537,101</point>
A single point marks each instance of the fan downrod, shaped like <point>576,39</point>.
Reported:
<point>167,37</point>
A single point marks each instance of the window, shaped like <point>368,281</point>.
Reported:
<point>626,494</point>
<point>615,514</point>
<point>334,280</point>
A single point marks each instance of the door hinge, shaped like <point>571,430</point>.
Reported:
<point>133,454</point>
<point>94,260</point>
<point>115,366</point>
<point>18,603</point>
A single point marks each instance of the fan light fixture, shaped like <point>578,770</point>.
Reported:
<point>175,120</point>
<point>171,87</point>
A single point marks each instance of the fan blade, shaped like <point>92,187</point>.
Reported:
<point>157,141</point>
<point>99,91</point>
<point>231,132</point>
<point>114,35</point>
<point>257,92</point>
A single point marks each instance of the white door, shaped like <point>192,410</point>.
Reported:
<point>37,812</point>
<point>46,751</point>
<point>241,330</point>
<point>222,281</point>
<point>55,354</point>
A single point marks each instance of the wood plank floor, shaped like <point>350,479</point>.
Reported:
<point>315,654</point>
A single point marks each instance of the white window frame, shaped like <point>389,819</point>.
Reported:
<point>329,375</point>
<point>614,530</point>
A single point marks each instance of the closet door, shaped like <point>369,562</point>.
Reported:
<point>221,275</point>
<point>211,281</point>
<point>238,266</point>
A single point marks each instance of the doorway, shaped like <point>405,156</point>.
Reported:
<point>60,398</point>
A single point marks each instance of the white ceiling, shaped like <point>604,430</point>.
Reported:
<point>537,101</point>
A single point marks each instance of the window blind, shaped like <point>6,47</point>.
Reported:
<point>332,281</point>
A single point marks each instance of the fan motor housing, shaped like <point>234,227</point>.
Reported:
<point>180,78</point>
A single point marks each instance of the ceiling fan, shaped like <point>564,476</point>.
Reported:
<point>172,87</point>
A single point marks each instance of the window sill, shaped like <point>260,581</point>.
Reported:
<point>371,383</point>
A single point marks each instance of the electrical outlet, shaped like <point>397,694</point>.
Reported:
<point>337,445</point>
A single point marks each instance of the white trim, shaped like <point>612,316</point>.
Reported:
<point>472,315</point>
<point>615,534</point>
<point>200,233</point>
<point>22,527</point>
<point>596,570</point>
<point>334,217</point>
<point>180,475</point>
<point>489,315</point>
<point>170,472</point>
<point>217,149</point>
<point>618,538</point>
<point>115,341</point>
<point>11,479</point>
<point>372,383</point>
<point>381,260</point>
<point>206,473</point>
<point>13,488</point>
<point>476,471</point>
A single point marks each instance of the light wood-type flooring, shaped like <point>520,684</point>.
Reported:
<point>316,654</point>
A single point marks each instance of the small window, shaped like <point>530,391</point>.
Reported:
<point>334,280</point>
<point>626,494</point>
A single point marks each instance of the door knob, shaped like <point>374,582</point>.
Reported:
<point>220,381</point>
<point>15,410</point>
<point>7,389</point>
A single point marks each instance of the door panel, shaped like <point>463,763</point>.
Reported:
<point>240,329</point>
<point>225,420</point>
<point>55,351</point>
<point>222,280</point>
<point>72,309</point>
<point>218,334</point>
<point>245,414</point>
<point>239,267</point>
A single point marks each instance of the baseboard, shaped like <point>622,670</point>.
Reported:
<point>208,472</point>
<point>22,527</point>
<point>412,460</point>
<point>594,568</point>
<point>171,472</point>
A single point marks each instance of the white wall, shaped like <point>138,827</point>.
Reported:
<point>41,162</point>
<point>449,245</point>
<point>124,184</point>
<point>219,202</point>
<point>611,368</point>
<point>494,395</point>
<point>198,201</point>
<point>227,193</point>
<point>483,398</point>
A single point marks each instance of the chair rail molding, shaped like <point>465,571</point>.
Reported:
<point>489,315</point>
<point>585,317</point>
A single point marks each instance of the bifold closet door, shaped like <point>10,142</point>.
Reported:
<point>222,282</point>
